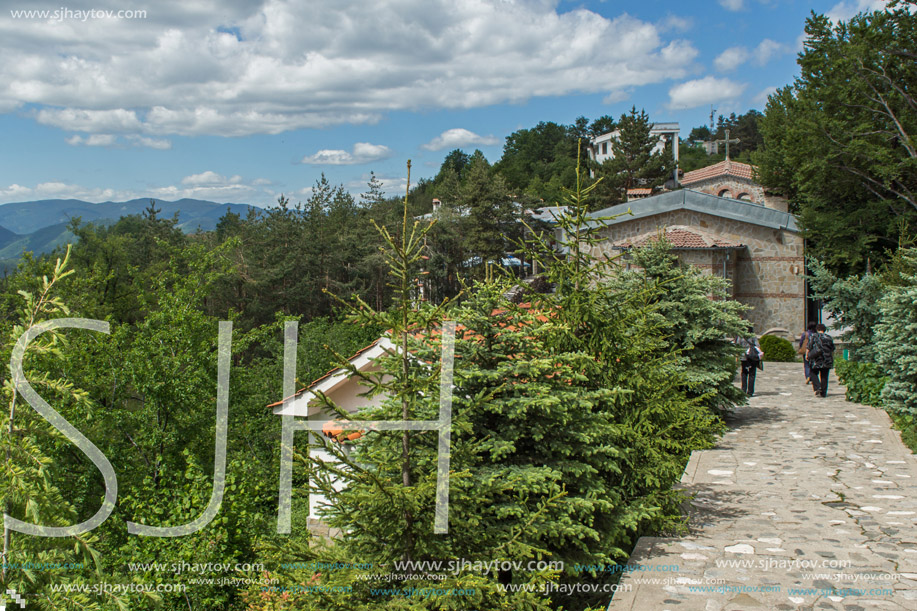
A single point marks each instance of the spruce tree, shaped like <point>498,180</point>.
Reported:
<point>633,163</point>
<point>699,318</point>
<point>896,337</point>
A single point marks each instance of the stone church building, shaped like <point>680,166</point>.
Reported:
<point>734,180</point>
<point>725,224</point>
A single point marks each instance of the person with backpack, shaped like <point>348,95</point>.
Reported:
<point>751,362</point>
<point>821,358</point>
<point>804,347</point>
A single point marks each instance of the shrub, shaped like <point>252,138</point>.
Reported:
<point>864,381</point>
<point>896,337</point>
<point>907,424</point>
<point>777,349</point>
<point>854,301</point>
<point>699,328</point>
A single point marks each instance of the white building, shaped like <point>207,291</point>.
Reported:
<point>345,391</point>
<point>600,147</point>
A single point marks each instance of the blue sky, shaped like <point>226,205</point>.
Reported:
<point>240,101</point>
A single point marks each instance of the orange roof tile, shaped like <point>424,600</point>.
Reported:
<point>680,237</point>
<point>723,168</point>
<point>333,428</point>
<point>419,335</point>
<point>640,191</point>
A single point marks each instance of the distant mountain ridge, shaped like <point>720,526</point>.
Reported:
<point>41,226</point>
<point>26,217</point>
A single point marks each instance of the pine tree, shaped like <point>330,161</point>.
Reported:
<point>633,163</point>
<point>488,217</point>
<point>699,317</point>
<point>896,337</point>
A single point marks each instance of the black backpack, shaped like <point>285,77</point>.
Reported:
<point>821,346</point>
<point>751,354</point>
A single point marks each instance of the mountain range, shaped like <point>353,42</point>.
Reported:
<point>41,226</point>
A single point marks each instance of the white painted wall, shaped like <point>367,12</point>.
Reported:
<point>344,391</point>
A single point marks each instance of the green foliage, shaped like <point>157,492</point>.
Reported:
<point>864,381</point>
<point>30,487</point>
<point>854,301</point>
<point>742,127</point>
<point>699,329</point>
<point>634,164</point>
<point>896,338</point>
<point>840,141</point>
<point>907,424</point>
<point>570,425</point>
<point>777,349</point>
<point>544,155</point>
<point>623,331</point>
<point>489,218</point>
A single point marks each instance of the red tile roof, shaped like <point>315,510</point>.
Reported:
<point>640,191</point>
<point>723,168</point>
<point>433,333</point>
<point>679,237</point>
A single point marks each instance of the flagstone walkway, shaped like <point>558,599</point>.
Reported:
<point>806,503</point>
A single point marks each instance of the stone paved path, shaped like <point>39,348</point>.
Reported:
<point>805,503</point>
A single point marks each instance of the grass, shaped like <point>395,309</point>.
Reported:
<point>908,427</point>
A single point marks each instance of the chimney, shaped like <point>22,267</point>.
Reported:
<point>436,205</point>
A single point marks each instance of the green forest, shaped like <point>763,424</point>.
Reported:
<point>577,398</point>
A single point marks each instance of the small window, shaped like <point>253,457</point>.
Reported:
<point>724,193</point>
<point>745,197</point>
<point>604,148</point>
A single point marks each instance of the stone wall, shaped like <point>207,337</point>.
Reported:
<point>739,188</point>
<point>767,273</point>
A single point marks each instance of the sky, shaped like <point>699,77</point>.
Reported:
<point>244,100</point>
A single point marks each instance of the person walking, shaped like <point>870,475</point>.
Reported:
<point>804,347</point>
<point>821,358</point>
<point>751,362</point>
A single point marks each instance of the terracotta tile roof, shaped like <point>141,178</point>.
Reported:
<point>460,329</point>
<point>679,237</point>
<point>640,191</point>
<point>723,168</point>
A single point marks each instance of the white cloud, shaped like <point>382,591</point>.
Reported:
<point>175,73</point>
<point>732,5</point>
<point>93,140</point>
<point>391,185</point>
<point>731,58</point>
<point>768,49</point>
<point>616,96</point>
<point>160,144</point>
<point>14,193</point>
<point>110,140</point>
<point>459,137</point>
<point>93,121</point>
<point>707,90</point>
<point>760,100</point>
<point>208,178</point>
<point>59,190</point>
<point>363,152</point>
<point>207,185</point>
<point>676,23</point>
<point>843,11</point>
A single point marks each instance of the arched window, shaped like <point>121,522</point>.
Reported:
<point>745,197</point>
<point>724,193</point>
